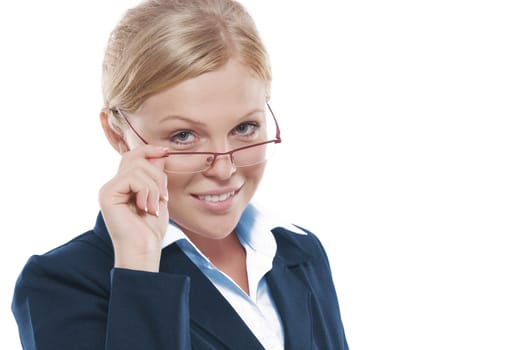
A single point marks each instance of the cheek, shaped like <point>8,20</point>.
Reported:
<point>254,174</point>
<point>178,182</point>
<point>177,185</point>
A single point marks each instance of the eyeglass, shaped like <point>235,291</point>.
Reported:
<point>195,162</point>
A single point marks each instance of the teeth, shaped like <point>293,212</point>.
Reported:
<point>216,197</point>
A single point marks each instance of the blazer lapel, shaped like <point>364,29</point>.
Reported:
<point>292,298</point>
<point>212,313</point>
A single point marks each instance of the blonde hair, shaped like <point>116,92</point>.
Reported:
<point>161,43</point>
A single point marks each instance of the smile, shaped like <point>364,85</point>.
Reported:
<point>216,197</point>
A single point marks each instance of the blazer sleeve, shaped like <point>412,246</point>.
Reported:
<point>71,299</point>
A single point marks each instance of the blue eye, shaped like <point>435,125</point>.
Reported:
<point>246,129</point>
<point>183,137</point>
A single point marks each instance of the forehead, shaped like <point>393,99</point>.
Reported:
<point>232,90</point>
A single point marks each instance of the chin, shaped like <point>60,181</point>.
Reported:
<point>206,225</point>
<point>220,226</point>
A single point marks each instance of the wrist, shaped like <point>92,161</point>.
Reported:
<point>138,259</point>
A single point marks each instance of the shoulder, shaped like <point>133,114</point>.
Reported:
<point>68,283</point>
<point>300,242</point>
<point>291,239</point>
<point>83,258</point>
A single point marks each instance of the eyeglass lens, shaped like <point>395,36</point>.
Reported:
<point>193,163</point>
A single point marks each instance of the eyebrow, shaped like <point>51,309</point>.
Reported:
<point>193,121</point>
<point>183,118</point>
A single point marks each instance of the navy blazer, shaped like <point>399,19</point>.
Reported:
<point>73,298</point>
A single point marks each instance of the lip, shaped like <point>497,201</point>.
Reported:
<point>217,205</point>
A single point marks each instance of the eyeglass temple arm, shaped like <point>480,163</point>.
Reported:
<point>278,130</point>
<point>123,116</point>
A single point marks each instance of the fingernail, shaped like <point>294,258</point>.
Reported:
<point>157,209</point>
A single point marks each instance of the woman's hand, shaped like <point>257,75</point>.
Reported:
<point>134,207</point>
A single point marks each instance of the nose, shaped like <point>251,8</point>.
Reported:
<point>222,167</point>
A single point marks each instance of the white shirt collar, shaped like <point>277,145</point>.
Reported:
<point>252,220</point>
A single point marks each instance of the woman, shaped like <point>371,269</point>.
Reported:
<point>179,258</point>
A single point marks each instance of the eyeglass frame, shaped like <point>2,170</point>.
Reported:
<point>212,154</point>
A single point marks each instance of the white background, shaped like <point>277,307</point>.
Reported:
<point>404,148</point>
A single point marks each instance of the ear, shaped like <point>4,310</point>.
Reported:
<point>112,131</point>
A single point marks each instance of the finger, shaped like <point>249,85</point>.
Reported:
<point>157,156</point>
<point>162,180</point>
<point>140,180</point>
<point>151,153</point>
<point>151,199</point>
<point>155,160</point>
<point>154,152</point>
<point>146,190</point>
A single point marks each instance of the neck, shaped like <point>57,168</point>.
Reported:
<point>228,255</point>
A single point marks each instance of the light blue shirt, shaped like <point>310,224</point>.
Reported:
<point>257,310</point>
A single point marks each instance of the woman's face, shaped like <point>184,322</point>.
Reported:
<point>214,112</point>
